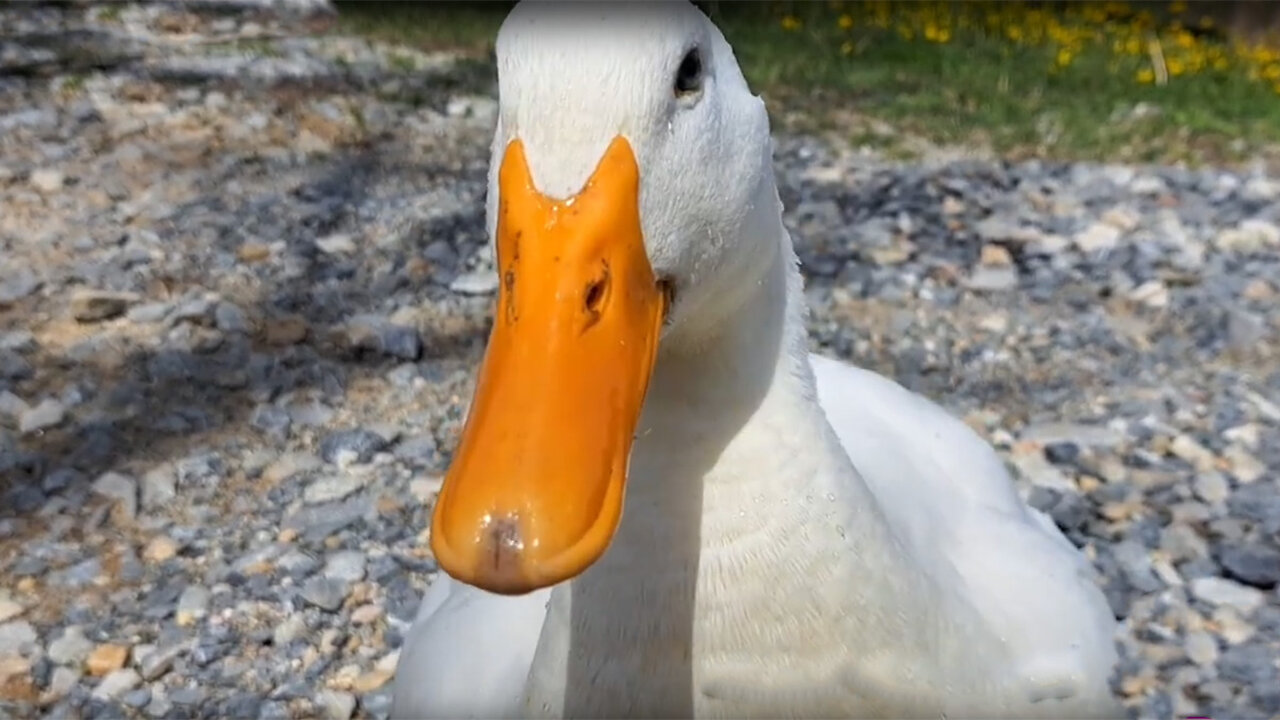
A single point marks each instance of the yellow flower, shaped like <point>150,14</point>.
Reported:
<point>1146,76</point>
<point>1177,7</point>
<point>1220,64</point>
<point>845,22</point>
<point>1206,22</point>
<point>1271,72</point>
<point>846,48</point>
<point>790,23</point>
<point>1176,66</point>
<point>1064,57</point>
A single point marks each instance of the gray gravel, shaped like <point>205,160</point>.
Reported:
<point>245,285</point>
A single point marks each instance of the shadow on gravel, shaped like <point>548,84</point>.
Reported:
<point>220,370</point>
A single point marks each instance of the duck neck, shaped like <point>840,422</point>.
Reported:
<point>741,369</point>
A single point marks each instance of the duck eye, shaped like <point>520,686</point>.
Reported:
<point>689,74</point>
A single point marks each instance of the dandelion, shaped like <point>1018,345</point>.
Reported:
<point>1146,76</point>
<point>1064,57</point>
<point>845,22</point>
<point>790,23</point>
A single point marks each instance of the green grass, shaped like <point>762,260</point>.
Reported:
<point>978,87</point>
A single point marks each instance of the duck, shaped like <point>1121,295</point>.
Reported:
<point>662,504</point>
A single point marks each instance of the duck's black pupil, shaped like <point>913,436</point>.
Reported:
<point>689,76</point>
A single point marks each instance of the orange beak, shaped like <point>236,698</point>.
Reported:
<point>535,491</point>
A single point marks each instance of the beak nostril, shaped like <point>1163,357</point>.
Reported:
<point>594,296</point>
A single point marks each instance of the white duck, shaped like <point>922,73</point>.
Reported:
<point>801,538</point>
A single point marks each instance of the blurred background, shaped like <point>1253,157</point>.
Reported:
<point>1098,80</point>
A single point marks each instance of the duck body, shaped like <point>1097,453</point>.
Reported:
<point>801,538</point>
<point>729,594</point>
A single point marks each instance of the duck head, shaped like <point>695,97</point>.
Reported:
<point>629,161</point>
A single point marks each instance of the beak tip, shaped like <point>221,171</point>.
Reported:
<point>498,561</point>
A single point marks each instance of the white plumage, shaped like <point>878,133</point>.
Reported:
<point>801,538</point>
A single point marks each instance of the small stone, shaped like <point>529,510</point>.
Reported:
<point>338,244</point>
<point>995,256</point>
<point>47,180</point>
<point>228,317</point>
<point>193,605</point>
<point>289,465</point>
<point>1219,591</point>
<point>14,671</point>
<point>366,614</point>
<point>121,489</point>
<point>16,637</point>
<point>1212,488</point>
<point>116,683</point>
<point>1081,435</point>
<point>1153,294</point>
<point>325,593</point>
<point>186,696</point>
<point>9,609</point>
<point>1250,665</point>
<point>355,446</point>
<point>1039,472</point>
<point>293,627</point>
<point>49,413</point>
<point>11,405</point>
<point>1135,562</point>
<point>475,283</point>
<point>97,305</point>
<point>70,648</point>
<point>1202,649</point>
<point>1256,565</point>
<point>333,487</point>
<point>992,279</point>
<point>1258,290</point>
<point>995,322</point>
<point>336,705</point>
<point>272,421</point>
<point>105,659</point>
<point>347,566</point>
<point>159,661</point>
<point>1251,235</point>
<point>252,252</point>
<point>159,549</point>
<point>159,487</point>
<point>1186,448</point>
<point>1244,466</point>
<point>138,698</point>
<point>1097,237</point>
<point>287,330</point>
<point>1124,219</point>
<point>61,681</point>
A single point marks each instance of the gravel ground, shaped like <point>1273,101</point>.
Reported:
<point>243,285</point>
